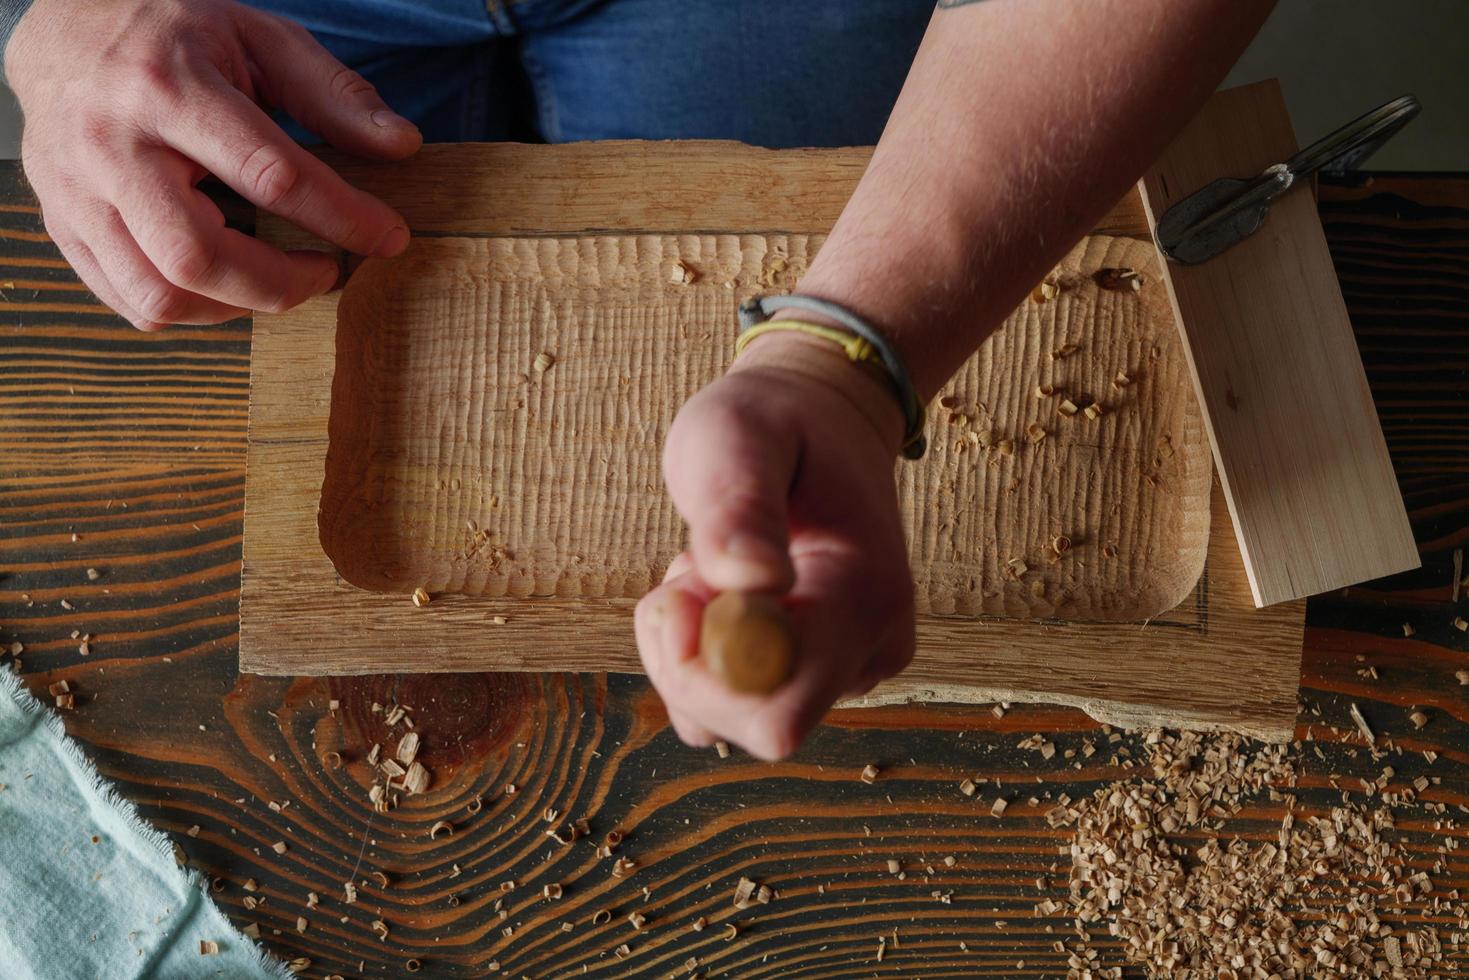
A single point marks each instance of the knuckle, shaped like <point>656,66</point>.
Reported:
<point>160,302</point>
<point>157,80</point>
<point>278,303</point>
<point>269,176</point>
<point>348,84</point>
<point>185,261</point>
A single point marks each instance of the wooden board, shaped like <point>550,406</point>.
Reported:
<point>136,442</point>
<point>1211,662</point>
<point>453,464</point>
<point>1300,452</point>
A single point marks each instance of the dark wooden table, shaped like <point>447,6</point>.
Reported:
<point>124,453</point>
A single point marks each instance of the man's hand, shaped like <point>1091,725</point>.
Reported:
<point>129,104</point>
<point>783,470</point>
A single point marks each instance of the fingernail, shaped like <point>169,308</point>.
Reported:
<point>388,119</point>
<point>328,279</point>
<point>393,242</point>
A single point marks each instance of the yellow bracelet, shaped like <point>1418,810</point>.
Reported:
<point>857,349</point>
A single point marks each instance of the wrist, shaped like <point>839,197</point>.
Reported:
<point>814,360</point>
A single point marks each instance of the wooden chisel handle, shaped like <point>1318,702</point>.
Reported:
<point>746,640</point>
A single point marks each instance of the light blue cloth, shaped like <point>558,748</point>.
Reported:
<point>87,889</point>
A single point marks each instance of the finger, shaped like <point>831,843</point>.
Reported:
<point>183,234</point>
<point>768,726</point>
<point>300,76</point>
<point>840,649</point>
<point>231,137</point>
<point>85,265</point>
<point>729,477</point>
<point>682,563</point>
<point>154,300</point>
<point>691,733</point>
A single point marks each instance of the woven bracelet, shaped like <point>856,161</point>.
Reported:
<point>758,309</point>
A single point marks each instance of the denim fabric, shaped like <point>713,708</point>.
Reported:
<point>11,11</point>
<point>767,72</point>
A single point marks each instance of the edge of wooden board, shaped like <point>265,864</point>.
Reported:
<point>1312,495</point>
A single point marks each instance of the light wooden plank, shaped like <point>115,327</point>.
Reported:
<point>1311,490</point>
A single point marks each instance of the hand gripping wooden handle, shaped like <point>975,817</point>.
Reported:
<point>746,640</point>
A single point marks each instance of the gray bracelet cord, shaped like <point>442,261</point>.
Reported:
<point>758,309</point>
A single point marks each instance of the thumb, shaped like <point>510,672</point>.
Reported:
<point>729,476</point>
<point>300,76</point>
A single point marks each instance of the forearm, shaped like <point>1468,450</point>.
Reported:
<point>1020,124</point>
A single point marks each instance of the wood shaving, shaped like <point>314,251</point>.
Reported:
<point>682,274</point>
<point>1067,407</point>
<point>416,779</point>
<point>968,787</point>
<point>722,748</point>
<point>1418,718</point>
<point>1094,411</point>
<point>1035,433</point>
<point>407,748</point>
<point>1005,447</point>
<point>743,893</point>
<point>1461,624</point>
<point>551,892</point>
<point>413,966</point>
<point>421,597</point>
<point>301,923</point>
<point>1045,390</point>
<point>601,917</point>
<point>208,947</point>
<point>637,919</point>
<point>1119,279</point>
<point>997,809</point>
<point>730,931</point>
<point>1060,544</point>
<point>1045,290</point>
<point>440,826</point>
<point>93,575</point>
<point>1153,868</point>
<point>1064,351</point>
<point>279,847</point>
<point>869,774</point>
<point>1408,629</point>
<point>1121,380</point>
<point>299,965</point>
<point>1361,723</point>
<point>700,923</point>
<point>544,361</point>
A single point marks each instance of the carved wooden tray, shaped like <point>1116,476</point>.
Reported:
<point>482,416</point>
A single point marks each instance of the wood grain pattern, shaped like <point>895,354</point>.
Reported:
<point>1295,434</point>
<point>298,615</point>
<point>455,465</point>
<point>136,442</point>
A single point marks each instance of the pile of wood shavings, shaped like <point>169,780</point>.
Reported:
<point>1149,864</point>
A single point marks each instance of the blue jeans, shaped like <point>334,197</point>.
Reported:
<point>768,72</point>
